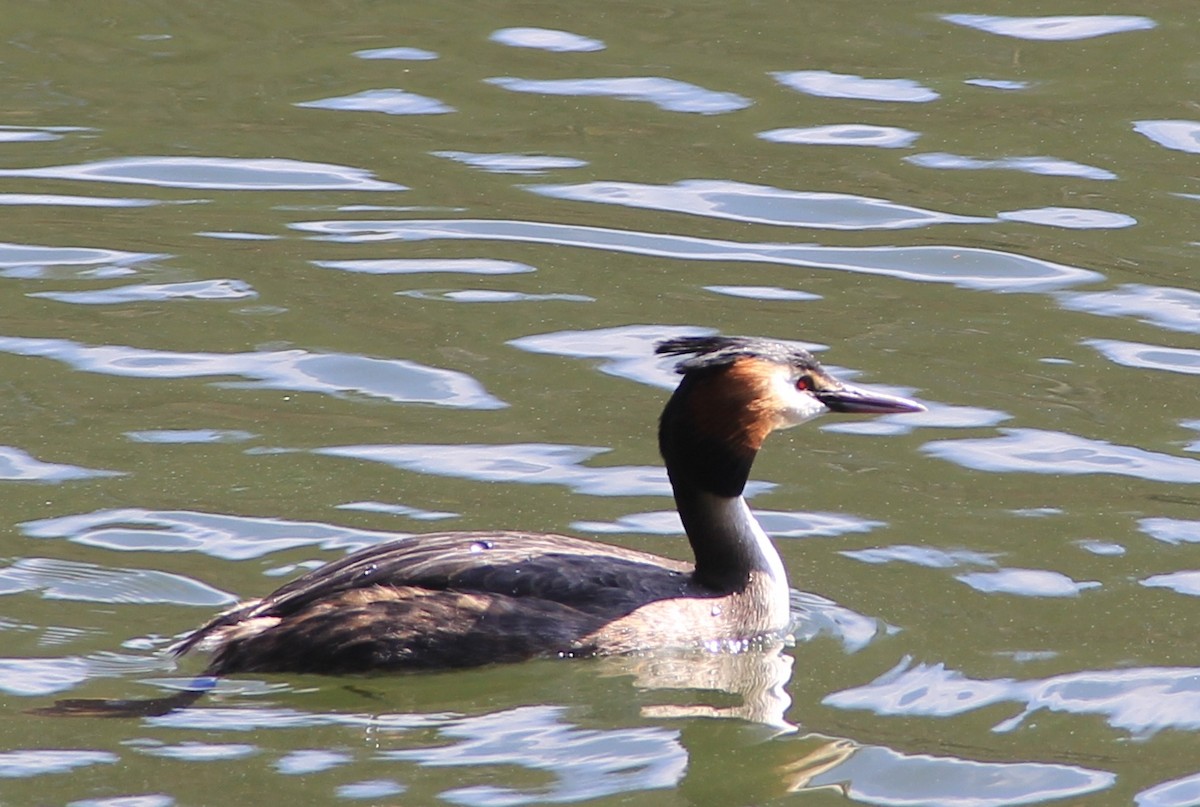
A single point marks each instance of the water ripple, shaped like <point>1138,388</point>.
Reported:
<point>1102,548</point>
<point>997,84</point>
<point>879,775</point>
<point>36,134</point>
<point>71,580</point>
<point>758,204</point>
<point>1171,308</point>
<point>1026,583</point>
<point>665,93</point>
<point>1139,700</point>
<point>938,416</point>
<point>841,85</point>
<point>306,761</point>
<point>1179,135</point>
<point>1171,530</point>
<point>388,101</point>
<point>18,466</point>
<point>814,616</point>
<point>1187,582</point>
<point>139,800</point>
<point>1194,425</point>
<point>928,556</point>
<point>33,261</point>
<point>493,296</point>
<point>1045,166</point>
<point>764,293</point>
<point>217,535</point>
<point>844,134</point>
<point>546,39</point>
<point>391,508</point>
<point>216,289</point>
<point>254,719</point>
<point>525,463</point>
<point>966,267</point>
<point>499,163</point>
<point>1055,29</point>
<point>1184,792</point>
<point>1148,357</point>
<point>413,266</point>
<point>200,752</point>
<point>186,436</point>
<point>583,764</point>
<point>1036,451</point>
<point>395,380</point>
<point>1070,218</point>
<point>29,677</point>
<point>22,764</point>
<point>401,54</point>
<point>373,789</point>
<point>235,235</point>
<point>60,200</point>
<point>215,173</point>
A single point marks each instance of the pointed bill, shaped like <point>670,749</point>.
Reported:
<point>859,400</point>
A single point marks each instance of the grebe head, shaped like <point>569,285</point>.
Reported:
<point>735,391</point>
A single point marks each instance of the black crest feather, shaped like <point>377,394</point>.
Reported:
<point>716,351</point>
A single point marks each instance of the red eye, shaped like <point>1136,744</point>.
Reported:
<point>803,383</point>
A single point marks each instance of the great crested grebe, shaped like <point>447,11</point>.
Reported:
<point>460,599</point>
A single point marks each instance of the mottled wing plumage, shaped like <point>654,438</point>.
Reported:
<point>386,629</point>
<point>440,600</point>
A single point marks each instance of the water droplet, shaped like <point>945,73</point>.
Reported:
<point>480,546</point>
<point>716,610</point>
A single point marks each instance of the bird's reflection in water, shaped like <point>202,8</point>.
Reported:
<point>670,742</point>
<point>756,675</point>
<point>749,685</point>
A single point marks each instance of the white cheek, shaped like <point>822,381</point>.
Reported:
<point>797,406</point>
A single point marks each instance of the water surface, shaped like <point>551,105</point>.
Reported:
<point>283,282</point>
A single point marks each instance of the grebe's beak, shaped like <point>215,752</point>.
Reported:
<point>857,400</point>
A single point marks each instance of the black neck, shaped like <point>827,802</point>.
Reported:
<point>708,476</point>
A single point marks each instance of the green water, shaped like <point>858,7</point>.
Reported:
<point>241,246</point>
